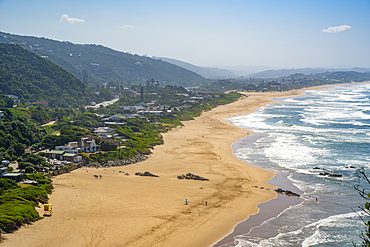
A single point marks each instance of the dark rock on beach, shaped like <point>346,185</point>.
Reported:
<point>192,176</point>
<point>330,174</point>
<point>146,174</point>
<point>318,168</point>
<point>287,192</point>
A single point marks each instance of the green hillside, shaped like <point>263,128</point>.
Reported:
<point>32,78</point>
<point>103,64</point>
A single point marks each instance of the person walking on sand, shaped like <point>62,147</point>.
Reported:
<point>186,201</point>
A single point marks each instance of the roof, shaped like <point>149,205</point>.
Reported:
<point>56,152</point>
<point>104,130</point>
<point>69,155</point>
<point>12,174</point>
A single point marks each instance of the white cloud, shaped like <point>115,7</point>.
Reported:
<point>126,26</point>
<point>70,20</point>
<point>336,29</point>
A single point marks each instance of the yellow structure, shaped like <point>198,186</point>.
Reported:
<point>48,209</point>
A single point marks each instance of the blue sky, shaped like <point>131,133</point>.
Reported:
<point>280,34</point>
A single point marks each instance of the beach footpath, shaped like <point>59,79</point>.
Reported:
<point>118,208</point>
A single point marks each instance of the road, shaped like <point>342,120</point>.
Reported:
<point>105,103</point>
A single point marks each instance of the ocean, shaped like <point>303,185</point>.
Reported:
<point>301,137</point>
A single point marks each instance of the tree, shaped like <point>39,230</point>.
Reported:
<point>85,77</point>
<point>18,148</point>
<point>142,93</point>
<point>365,210</point>
<point>111,85</point>
<point>106,94</point>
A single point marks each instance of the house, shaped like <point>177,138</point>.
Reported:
<point>3,170</point>
<point>129,108</point>
<point>156,113</point>
<point>13,176</point>
<point>1,115</point>
<point>118,117</point>
<point>104,131</point>
<point>196,99</point>
<point>13,97</point>
<point>84,145</point>
<point>42,102</point>
<point>72,157</point>
<point>184,107</point>
<point>142,104</point>
<point>5,162</point>
<point>16,177</point>
<point>115,123</point>
<point>56,154</point>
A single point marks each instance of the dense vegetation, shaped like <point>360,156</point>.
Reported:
<point>16,133</point>
<point>98,64</point>
<point>222,86</point>
<point>363,190</point>
<point>32,78</point>
<point>17,204</point>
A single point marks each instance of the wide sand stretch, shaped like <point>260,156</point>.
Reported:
<point>121,210</point>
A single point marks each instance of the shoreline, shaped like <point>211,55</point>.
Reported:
<point>120,210</point>
<point>267,211</point>
<point>280,180</point>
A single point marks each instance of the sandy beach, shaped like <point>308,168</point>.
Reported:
<point>120,210</point>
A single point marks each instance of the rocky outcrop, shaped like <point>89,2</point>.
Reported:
<point>330,174</point>
<point>287,192</point>
<point>146,174</point>
<point>192,176</point>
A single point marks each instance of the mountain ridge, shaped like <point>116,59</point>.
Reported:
<point>33,78</point>
<point>103,64</point>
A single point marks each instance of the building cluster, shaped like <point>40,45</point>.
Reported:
<point>72,150</point>
<point>5,174</point>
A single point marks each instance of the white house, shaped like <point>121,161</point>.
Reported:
<point>104,131</point>
<point>84,145</point>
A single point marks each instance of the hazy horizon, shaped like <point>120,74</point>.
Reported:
<point>280,35</point>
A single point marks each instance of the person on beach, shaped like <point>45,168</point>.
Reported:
<point>186,201</point>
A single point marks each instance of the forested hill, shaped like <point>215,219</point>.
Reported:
<point>103,64</point>
<point>32,78</point>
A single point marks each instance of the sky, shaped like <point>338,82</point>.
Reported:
<point>216,33</point>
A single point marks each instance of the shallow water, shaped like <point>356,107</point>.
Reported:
<point>326,129</point>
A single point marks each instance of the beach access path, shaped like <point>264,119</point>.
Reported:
<point>121,210</point>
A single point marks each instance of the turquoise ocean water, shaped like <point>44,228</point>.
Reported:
<point>326,129</point>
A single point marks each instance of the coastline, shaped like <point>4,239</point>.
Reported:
<point>120,210</point>
<point>274,207</point>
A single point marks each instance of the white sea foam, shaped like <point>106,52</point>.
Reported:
<point>337,221</point>
<point>328,129</point>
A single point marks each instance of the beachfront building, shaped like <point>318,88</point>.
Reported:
<point>56,154</point>
<point>84,145</point>
<point>72,157</point>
